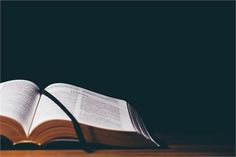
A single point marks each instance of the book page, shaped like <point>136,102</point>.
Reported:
<point>18,100</point>
<point>87,107</point>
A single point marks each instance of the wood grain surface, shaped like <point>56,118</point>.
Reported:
<point>179,145</point>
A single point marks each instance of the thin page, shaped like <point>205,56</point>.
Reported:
<point>87,107</point>
<point>18,100</point>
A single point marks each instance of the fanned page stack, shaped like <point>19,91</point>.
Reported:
<point>26,116</point>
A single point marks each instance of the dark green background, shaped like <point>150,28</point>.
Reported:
<point>173,61</point>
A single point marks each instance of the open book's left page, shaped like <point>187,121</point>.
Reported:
<point>18,101</point>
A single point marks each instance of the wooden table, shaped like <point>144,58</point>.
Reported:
<point>179,145</point>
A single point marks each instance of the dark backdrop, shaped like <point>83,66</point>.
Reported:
<point>173,61</point>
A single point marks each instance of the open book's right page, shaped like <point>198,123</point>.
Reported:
<point>88,107</point>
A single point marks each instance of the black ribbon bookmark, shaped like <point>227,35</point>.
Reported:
<point>73,119</point>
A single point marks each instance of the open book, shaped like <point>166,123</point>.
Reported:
<point>26,116</point>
